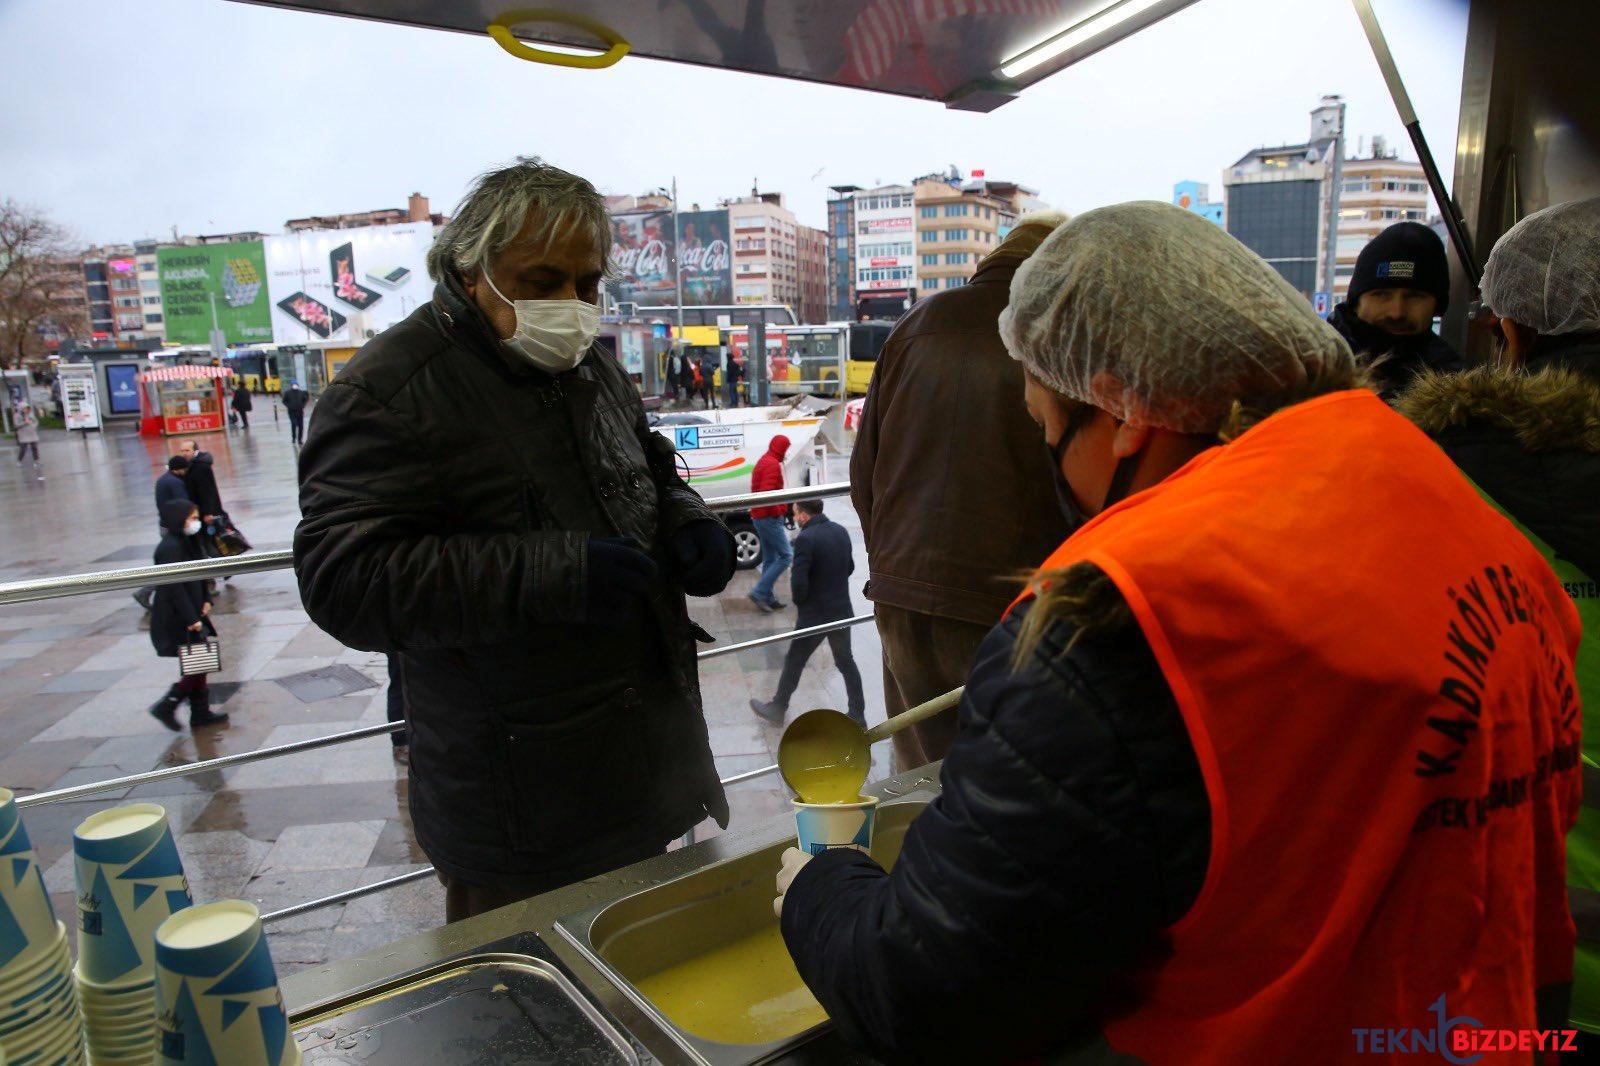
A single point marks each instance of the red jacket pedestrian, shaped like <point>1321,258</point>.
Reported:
<point>768,477</point>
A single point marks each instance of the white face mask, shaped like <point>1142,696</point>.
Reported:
<point>553,335</point>
<point>191,527</point>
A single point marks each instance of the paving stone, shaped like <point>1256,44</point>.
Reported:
<point>326,846</point>
<point>85,681</point>
<point>326,683</point>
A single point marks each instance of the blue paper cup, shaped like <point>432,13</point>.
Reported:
<point>217,997</point>
<point>130,880</point>
<point>824,826</point>
<point>27,922</point>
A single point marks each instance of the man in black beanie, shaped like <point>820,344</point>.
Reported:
<point>1401,282</point>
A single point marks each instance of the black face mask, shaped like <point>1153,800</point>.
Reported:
<point>1121,478</point>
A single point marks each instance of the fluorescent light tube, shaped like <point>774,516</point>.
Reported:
<point>1073,36</point>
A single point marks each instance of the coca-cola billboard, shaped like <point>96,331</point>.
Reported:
<point>642,258</point>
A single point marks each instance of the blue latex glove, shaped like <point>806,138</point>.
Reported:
<point>704,551</point>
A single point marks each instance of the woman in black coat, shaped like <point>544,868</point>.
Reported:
<point>181,614</point>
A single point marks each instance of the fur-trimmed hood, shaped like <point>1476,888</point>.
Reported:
<point>1554,409</point>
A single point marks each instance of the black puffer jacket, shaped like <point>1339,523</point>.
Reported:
<point>1073,828</point>
<point>1531,440</point>
<point>448,492</point>
<point>176,607</point>
<point>1393,361</point>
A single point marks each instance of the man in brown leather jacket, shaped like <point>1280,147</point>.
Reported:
<point>952,487</point>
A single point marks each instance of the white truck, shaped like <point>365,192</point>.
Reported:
<point>718,450</point>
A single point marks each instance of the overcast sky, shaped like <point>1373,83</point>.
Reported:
<point>124,118</point>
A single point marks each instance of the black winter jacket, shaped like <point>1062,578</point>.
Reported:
<point>448,492</point>
<point>177,607</point>
<point>294,400</point>
<point>170,486</point>
<point>819,581</point>
<point>1073,828</point>
<point>241,399</point>
<point>1529,439</point>
<point>1393,361</point>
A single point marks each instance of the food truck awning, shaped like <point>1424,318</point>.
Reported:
<point>969,54</point>
<point>184,373</point>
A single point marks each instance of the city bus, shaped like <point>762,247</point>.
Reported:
<point>811,359</point>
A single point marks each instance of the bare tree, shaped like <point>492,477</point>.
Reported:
<point>40,283</point>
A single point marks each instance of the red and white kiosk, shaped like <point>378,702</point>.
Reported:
<point>182,399</point>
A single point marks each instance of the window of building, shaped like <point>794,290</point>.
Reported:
<point>928,235</point>
<point>152,320</point>
<point>955,234</point>
<point>930,283</point>
<point>1390,212</point>
<point>1415,216</point>
<point>930,259</point>
<point>928,211</point>
<point>127,301</point>
<point>952,258</point>
<point>951,283</point>
<point>153,300</point>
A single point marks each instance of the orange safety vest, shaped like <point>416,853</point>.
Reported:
<point>1375,670</point>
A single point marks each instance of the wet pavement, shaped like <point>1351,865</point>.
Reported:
<point>77,674</point>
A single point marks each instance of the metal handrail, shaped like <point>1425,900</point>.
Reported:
<point>222,762</point>
<point>225,761</point>
<point>47,588</point>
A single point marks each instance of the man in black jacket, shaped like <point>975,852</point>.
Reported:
<point>1400,284</point>
<point>535,593</point>
<point>200,478</point>
<point>294,405</point>
<point>169,486</point>
<point>820,585</point>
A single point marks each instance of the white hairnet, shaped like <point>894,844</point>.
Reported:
<point>1544,272</point>
<point>1156,315</point>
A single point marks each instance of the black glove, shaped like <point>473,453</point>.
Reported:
<point>704,550</point>
<point>620,579</point>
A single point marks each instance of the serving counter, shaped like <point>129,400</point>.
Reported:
<point>552,979</point>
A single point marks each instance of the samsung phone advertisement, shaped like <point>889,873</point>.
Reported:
<point>342,285</point>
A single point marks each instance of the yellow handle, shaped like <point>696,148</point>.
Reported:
<point>500,30</point>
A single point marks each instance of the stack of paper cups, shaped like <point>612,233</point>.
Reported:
<point>39,1020</point>
<point>217,997</point>
<point>130,880</point>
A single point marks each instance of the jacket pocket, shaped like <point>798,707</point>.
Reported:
<point>574,764</point>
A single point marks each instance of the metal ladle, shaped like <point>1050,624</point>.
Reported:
<point>824,749</point>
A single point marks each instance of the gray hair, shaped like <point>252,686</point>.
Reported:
<point>498,205</point>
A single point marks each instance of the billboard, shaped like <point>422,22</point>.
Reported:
<point>642,254</point>
<point>338,285</point>
<point>707,262</point>
<point>226,278</point>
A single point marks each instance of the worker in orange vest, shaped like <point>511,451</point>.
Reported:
<point>1273,759</point>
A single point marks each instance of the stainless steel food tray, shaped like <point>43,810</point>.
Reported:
<point>494,1008</point>
<point>700,910</point>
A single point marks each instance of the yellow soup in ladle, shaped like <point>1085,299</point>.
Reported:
<point>824,757</point>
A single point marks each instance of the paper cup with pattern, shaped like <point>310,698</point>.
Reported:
<point>217,997</point>
<point>823,826</point>
<point>27,922</point>
<point>130,880</point>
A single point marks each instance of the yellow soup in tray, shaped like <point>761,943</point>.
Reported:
<point>745,992</point>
